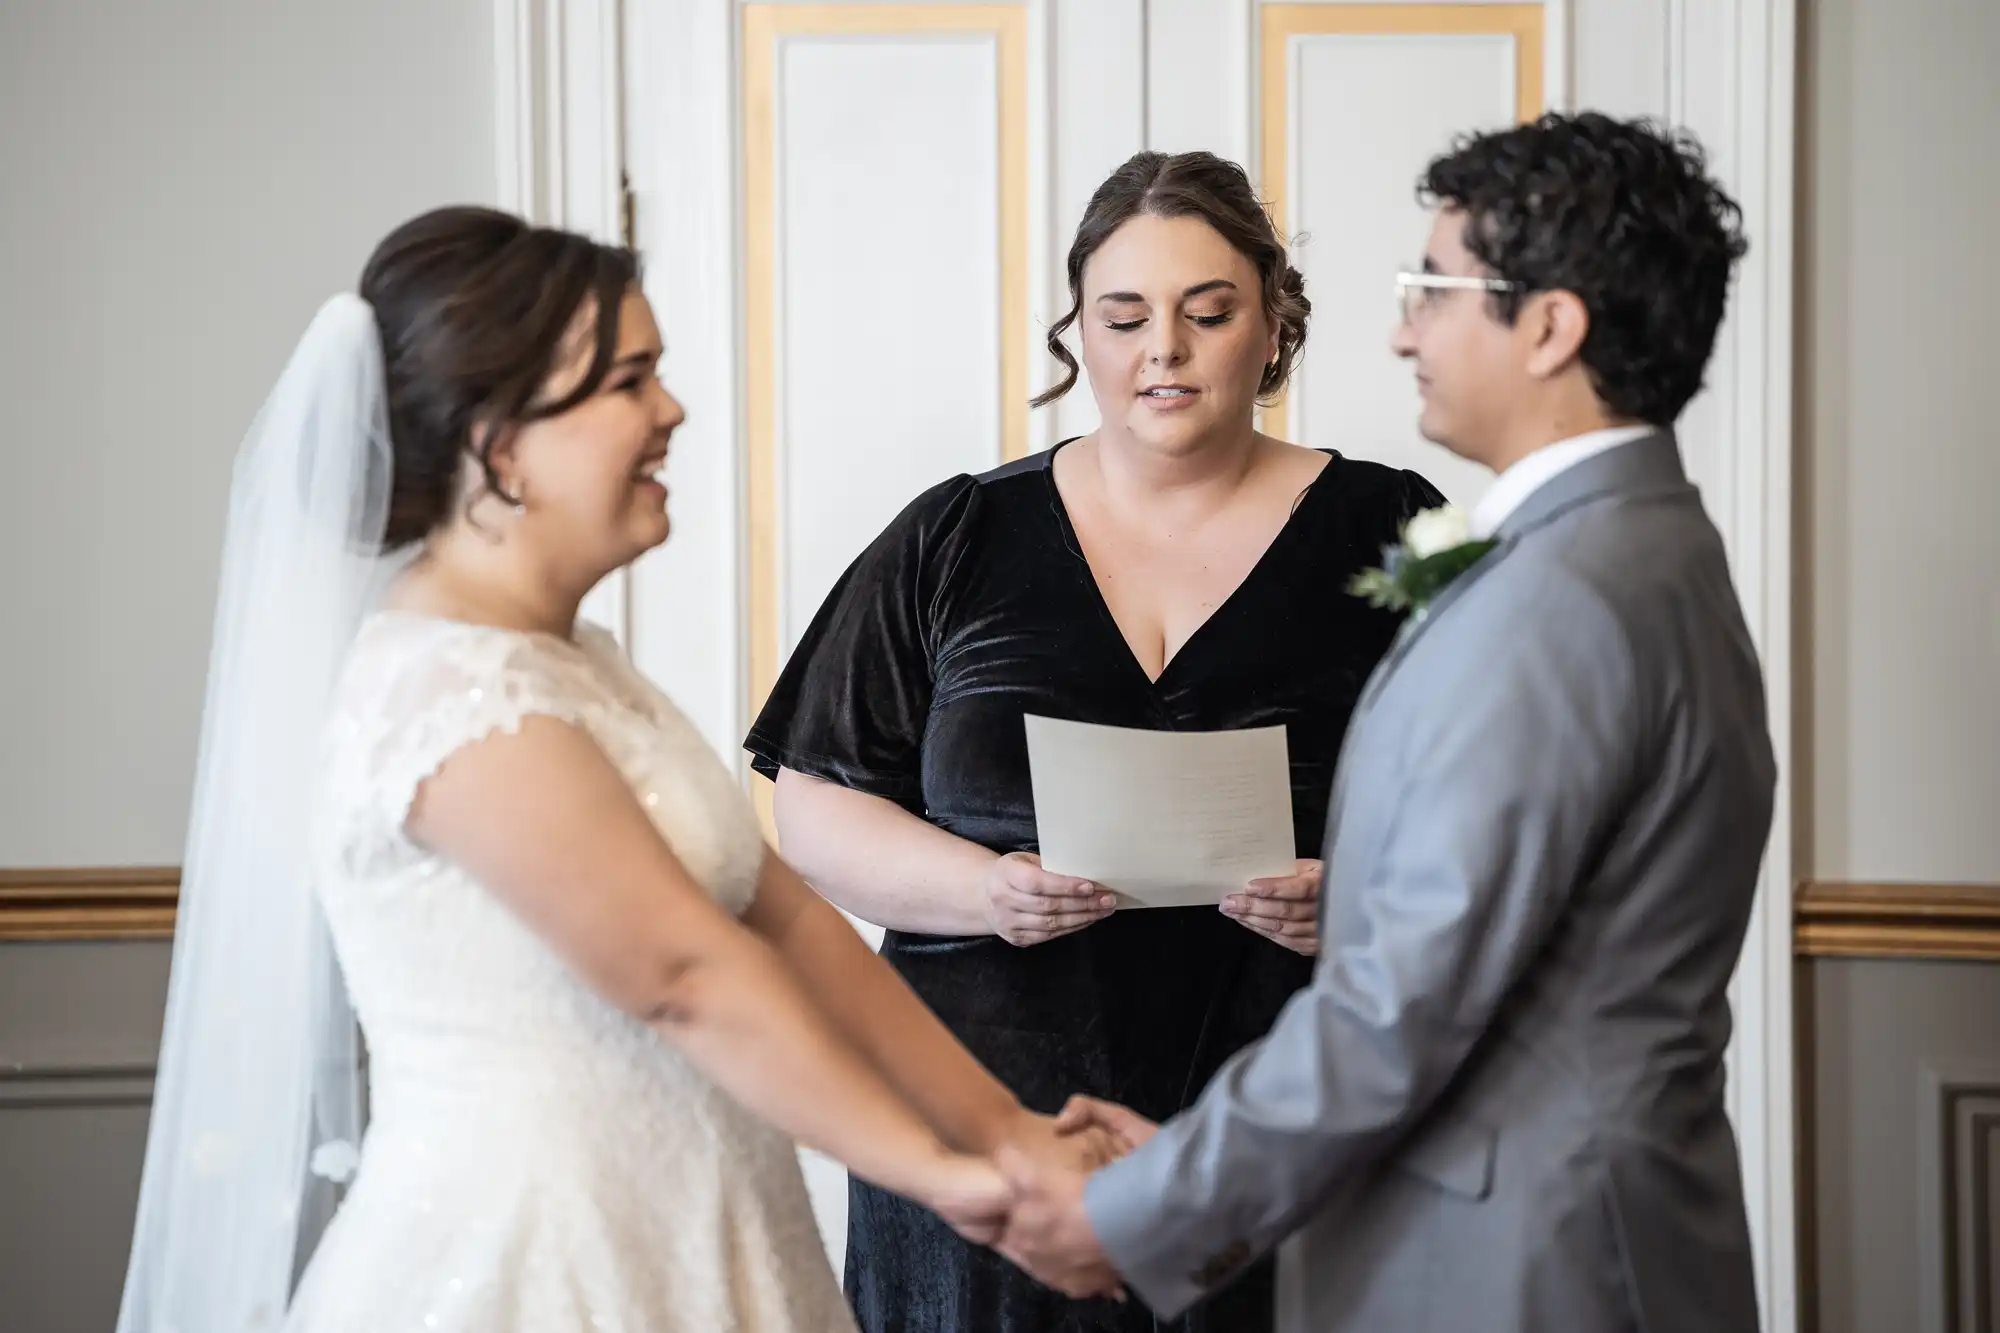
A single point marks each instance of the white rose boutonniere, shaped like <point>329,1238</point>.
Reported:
<point>1437,547</point>
<point>1436,530</point>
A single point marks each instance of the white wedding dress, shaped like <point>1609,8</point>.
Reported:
<point>536,1161</point>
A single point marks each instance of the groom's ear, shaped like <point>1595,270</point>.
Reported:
<point>1553,325</point>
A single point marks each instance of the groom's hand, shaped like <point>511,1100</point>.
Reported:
<point>1049,1235</point>
<point>1285,909</point>
<point>1126,1129</point>
<point>1077,1145</point>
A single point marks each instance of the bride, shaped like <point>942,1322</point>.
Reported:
<point>597,1010</point>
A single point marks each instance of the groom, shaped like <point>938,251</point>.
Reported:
<point>1499,1105</point>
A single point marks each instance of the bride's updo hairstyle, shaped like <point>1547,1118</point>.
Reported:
<point>476,310</point>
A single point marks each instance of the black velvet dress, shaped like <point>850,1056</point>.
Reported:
<point>974,607</point>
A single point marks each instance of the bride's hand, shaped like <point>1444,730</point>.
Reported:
<point>970,1194</point>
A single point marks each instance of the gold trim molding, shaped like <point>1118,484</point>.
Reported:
<point>765,27</point>
<point>98,903</point>
<point>1943,921</point>
<point>1279,24</point>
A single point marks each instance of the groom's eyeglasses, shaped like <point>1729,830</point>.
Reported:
<point>1419,293</point>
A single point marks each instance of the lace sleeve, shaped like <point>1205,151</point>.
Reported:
<point>415,705</point>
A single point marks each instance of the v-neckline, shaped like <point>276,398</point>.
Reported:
<point>1075,545</point>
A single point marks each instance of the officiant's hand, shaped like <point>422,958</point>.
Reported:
<point>1285,909</point>
<point>1027,905</point>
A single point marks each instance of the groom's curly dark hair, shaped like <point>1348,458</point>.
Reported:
<point>1622,214</point>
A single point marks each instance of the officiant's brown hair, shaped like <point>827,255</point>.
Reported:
<point>476,310</point>
<point>1190,185</point>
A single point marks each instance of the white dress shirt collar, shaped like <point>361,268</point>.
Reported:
<point>1512,488</point>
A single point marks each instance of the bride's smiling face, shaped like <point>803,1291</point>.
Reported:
<point>589,480</point>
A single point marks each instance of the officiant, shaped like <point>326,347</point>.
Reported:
<point>1173,570</point>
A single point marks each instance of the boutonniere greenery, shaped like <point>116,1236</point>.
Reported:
<point>1437,547</point>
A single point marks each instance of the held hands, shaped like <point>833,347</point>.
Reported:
<point>1026,905</point>
<point>1048,1234</point>
<point>1026,1199</point>
<point>970,1192</point>
<point>1285,909</point>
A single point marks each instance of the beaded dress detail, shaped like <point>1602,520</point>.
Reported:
<point>536,1160</point>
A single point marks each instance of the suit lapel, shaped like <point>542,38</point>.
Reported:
<point>1399,647</point>
<point>1412,628</point>
<point>1651,463</point>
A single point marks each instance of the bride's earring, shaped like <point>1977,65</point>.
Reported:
<point>514,501</point>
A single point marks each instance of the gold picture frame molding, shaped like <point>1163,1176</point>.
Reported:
<point>766,26</point>
<point>1838,919</point>
<point>1833,919</point>
<point>1280,25</point>
<point>89,903</point>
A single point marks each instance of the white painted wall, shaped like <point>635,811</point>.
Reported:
<point>180,186</point>
<point>1900,438</point>
<point>1356,221</point>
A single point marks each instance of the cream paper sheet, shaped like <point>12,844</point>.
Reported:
<point>1162,818</point>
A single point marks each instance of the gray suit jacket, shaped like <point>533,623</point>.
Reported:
<point>1499,1105</point>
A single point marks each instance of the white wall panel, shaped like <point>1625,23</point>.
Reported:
<point>1098,111</point>
<point>1198,76</point>
<point>1357,221</point>
<point>687,597</point>
<point>889,290</point>
<point>1619,55</point>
